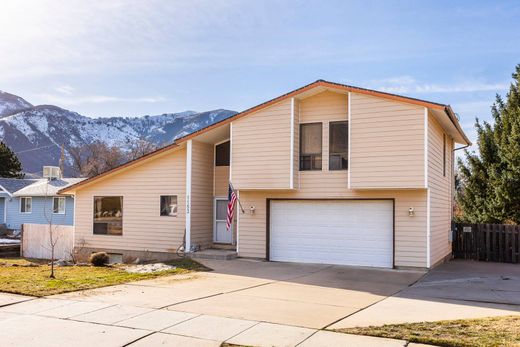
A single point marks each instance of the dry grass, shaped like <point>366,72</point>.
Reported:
<point>22,278</point>
<point>483,332</point>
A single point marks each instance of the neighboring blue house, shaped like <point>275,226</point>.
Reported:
<point>35,201</point>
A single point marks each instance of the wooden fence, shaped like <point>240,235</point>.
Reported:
<point>487,242</point>
<point>36,241</point>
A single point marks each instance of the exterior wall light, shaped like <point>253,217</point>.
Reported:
<point>411,212</point>
<point>252,210</point>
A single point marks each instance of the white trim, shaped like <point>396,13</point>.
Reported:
<point>425,147</point>
<point>221,142</point>
<point>230,151</point>
<point>4,221</point>
<point>291,154</point>
<point>238,223</point>
<point>20,204</point>
<point>349,139</point>
<point>428,229</point>
<point>5,190</point>
<point>64,205</point>
<point>189,149</point>
<point>215,199</point>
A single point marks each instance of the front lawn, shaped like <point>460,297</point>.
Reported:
<point>22,278</point>
<point>483,332</point>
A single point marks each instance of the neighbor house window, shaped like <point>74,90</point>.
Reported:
<point>108,215</point>
<point>222,154</point>
<point>338,145</point>
<point>169,205</point>
<point>444,155</point>
<point>310,146</point>
<point>25,205</point>
<point>58,205</point>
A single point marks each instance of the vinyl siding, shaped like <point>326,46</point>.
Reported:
<point>221,181</point>
<point>41,212</point>
<point>202,194</point>
<point>440,191</point>
<point>387,143</point>
<point>410,232</point>
<point>141,188</point>
<point>2,209</point>
<point>261,148</point>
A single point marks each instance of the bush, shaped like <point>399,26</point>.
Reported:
<point>98,259</point>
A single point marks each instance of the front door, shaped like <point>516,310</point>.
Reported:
<point>220,232</point>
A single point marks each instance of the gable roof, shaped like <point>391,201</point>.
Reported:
<point>11,185</point>
<point>319,83</point>
<point>45,187</point>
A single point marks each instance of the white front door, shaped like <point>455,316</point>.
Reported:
<point>220,232</point>
<point>344,232</point>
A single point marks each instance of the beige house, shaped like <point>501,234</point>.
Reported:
<point>328,173</point>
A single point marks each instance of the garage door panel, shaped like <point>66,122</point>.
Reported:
<point>332,232</point>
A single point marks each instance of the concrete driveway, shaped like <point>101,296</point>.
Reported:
<point>261,304</point>
<point>310,296</point>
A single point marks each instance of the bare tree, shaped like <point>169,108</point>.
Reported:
<point>53,232</point>
<point>139,148</point>
<point>95,158</point>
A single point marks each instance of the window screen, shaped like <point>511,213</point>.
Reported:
<point>169,205</point>
<point>338,145</point>
<point>222,152</point>
<point>310,146</point>
<point>108,215</point>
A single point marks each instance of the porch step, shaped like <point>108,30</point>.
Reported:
<point>214,254</point>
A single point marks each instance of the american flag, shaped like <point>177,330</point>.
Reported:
<point>232,200</point>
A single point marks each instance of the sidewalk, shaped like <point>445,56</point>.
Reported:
<point>51,322</point>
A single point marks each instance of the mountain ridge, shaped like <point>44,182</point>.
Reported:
<point>36,133</point>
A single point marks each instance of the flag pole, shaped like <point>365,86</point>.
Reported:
<point>238,199</point>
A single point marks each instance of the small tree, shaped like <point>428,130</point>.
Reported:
<point>53,229</point>
<point>10,165</point>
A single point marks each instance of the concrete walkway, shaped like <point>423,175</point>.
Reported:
<point>260,304</point>
<point>57,322</point>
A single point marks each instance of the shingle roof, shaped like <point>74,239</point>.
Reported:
<point>14,184</point>
<point>44,187</point>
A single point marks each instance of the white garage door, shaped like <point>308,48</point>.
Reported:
<point>348,232</point>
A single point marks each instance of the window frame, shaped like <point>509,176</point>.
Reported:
<point>177,208</point>
<point>122,197</point>
<point>313,155</point>
<point>64,204</point>
<point>215,163</point>
<point>330,137</point>
<point>29,198</point>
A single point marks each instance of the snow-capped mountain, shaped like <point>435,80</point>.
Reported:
<point>36,133</point>
<point>10,103</point>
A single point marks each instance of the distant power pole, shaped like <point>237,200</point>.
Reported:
<point>62,159</point>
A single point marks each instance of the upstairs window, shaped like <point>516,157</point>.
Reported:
<point>108,215</point>
<point>338,145</point>
<point>310,146</point>
<point>25,205</point>
<point>222,154</point>
<point>58,205</point>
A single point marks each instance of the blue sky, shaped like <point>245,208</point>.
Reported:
<point>107,58</point>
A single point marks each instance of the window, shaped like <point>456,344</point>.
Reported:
<point>169,205</point>
<point>108,215</point>
<point>444,155</point>
<point>310,146</point>
<point>58,205</point>
<point>222,154</point>
<point>25,205</point>
<point>338,145</point>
